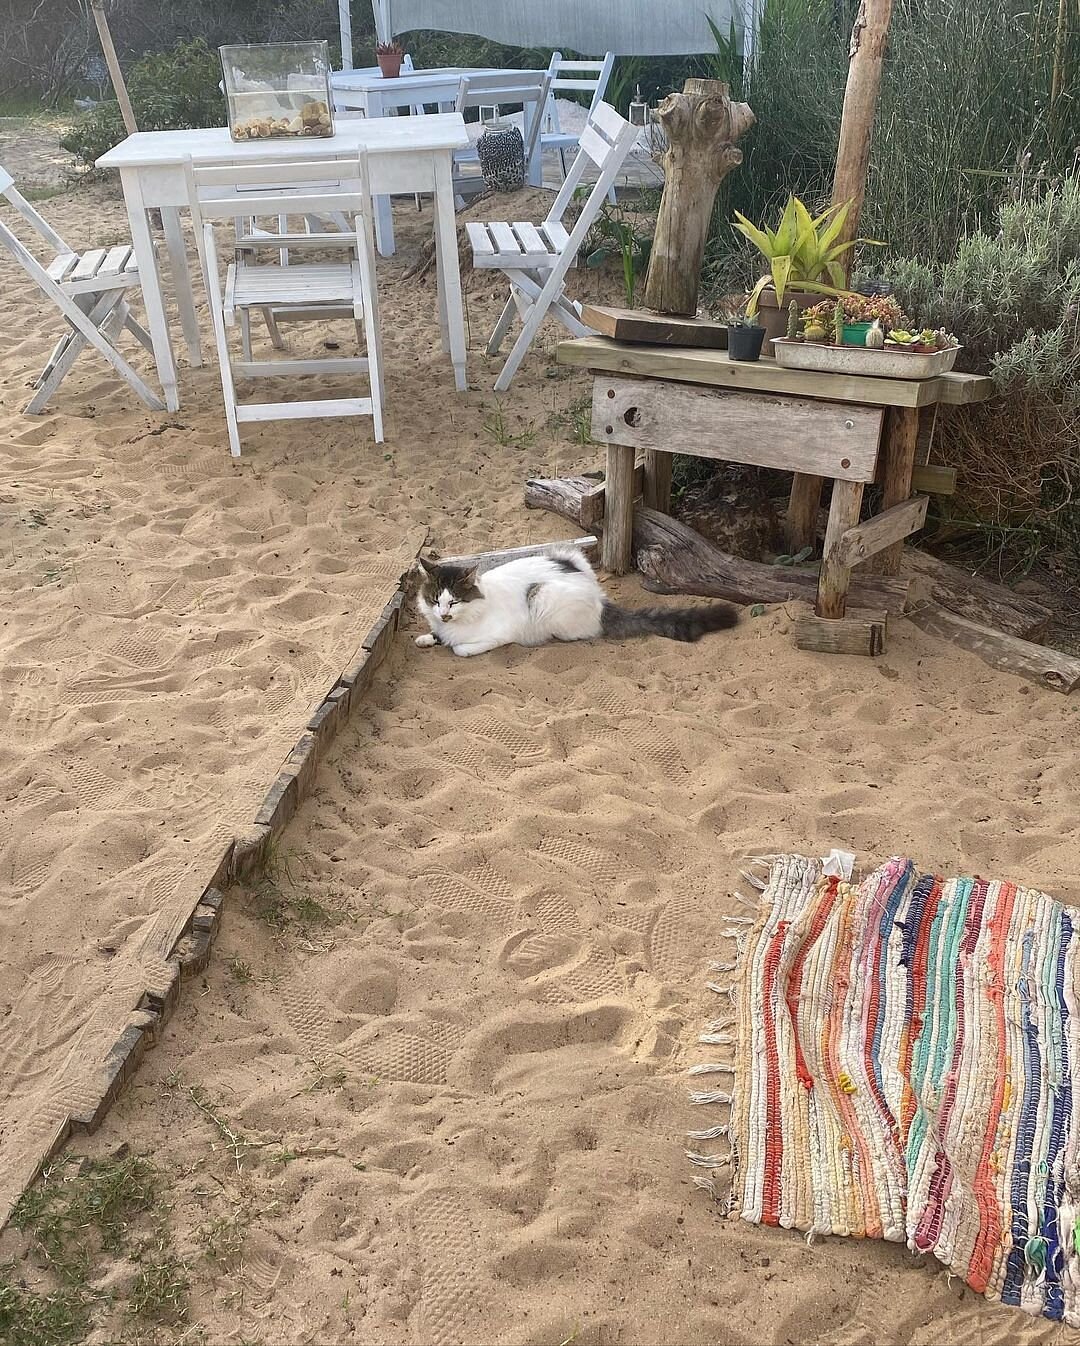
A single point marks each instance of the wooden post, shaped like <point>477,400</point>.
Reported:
<point>618,509</point>
<point>656,485</point>
<point>865,57</point>
<point>702,125</point>
<point>800,528</point>
<point>898,441</point>
<point>115,73</point>
<point>835,576</point>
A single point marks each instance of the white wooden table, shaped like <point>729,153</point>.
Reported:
<point>366,91</point>
<point>406,155</point>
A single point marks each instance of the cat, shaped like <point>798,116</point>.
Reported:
<point>540,598</point>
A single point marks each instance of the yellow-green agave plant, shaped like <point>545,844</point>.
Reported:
<point>802,252</point>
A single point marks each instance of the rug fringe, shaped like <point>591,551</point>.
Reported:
<point>709,1096</point>
<point>709,1160</point>
<point>710,1133</point>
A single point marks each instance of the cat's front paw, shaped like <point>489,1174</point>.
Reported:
<point>427,640</point>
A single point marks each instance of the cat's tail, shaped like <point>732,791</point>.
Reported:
<point>675,623</point>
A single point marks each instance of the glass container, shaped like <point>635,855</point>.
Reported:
<point>639,109</point>
<point>278,89</point>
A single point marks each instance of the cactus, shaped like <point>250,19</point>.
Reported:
<point>793,320</point>
<point>838,323</point>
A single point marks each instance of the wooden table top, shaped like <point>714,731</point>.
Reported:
<point>714,369</point>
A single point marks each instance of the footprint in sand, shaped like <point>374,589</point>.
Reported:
<point>448,1254</point>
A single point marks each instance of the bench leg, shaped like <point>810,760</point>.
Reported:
<point>800,529</point>
<point>618,509</point>
<point>834,578</point>
<point>657,481</point>
<point>900,436</point>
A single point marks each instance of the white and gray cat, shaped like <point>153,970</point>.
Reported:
<point>541,598</point>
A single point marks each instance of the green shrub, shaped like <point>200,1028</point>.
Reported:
<point>1013,298</point>
<point>170,90</point>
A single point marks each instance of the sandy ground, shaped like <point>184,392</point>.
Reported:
<point>452,1027</point>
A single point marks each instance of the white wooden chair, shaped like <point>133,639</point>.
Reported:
<point>527,90</point>
<point>302,291</point>
<point>90,291</point>
<point>536,260</point>
<point>572,77</point>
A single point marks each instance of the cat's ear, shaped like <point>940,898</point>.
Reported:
<point>468,577</point>
<point>426,567</point>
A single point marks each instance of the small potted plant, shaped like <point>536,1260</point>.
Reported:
<point>389,56</point>
<point>744,335</point>
<point>803,256</point>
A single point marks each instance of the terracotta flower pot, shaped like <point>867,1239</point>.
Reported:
<point>774,319</point>
<point>389,63</point>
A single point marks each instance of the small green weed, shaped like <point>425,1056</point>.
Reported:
<point>576,420</point>
<point>61,1318</point>
<point>326,1077</point>
<point>236,1142</point>
<point>281,910</point>
<point>619,233</point>
<point>222,1239</point>
<point>65,1214</point>
<point>241,972</point>
<point>498,428</point>
<point>160,1291</point>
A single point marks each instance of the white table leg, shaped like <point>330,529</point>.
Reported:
<point>449,273</point>
<point>150,282</point>
<point>384,215</point>
<point>181,280</point>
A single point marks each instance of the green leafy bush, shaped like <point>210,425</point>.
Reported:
<point>170,90</point>
<point>1013,298</point>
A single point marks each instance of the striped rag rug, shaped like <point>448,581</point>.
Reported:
<point>904,1069</point>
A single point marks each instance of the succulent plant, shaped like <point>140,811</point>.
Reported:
<point>793,320</point>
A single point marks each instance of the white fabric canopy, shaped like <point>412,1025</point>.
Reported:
<point>589,27</point>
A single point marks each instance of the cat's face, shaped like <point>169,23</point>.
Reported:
<point>447,588</point>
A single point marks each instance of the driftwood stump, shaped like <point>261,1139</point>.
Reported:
<point>702,125</point>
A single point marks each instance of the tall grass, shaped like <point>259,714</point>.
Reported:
<point>966,102</point>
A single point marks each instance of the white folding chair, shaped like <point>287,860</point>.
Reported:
<point>536,260</point>
<point>89,289</point>
<point>526,89</point>
<point>311,292</point>
<point>572,77</point>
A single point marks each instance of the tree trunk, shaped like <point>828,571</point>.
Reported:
<point>702,125</point>
<point>865,56</point>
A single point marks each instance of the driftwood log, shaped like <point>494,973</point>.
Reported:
<point>675,559</point>
<point>702,126</point>
<point>1038,663</point>
<point>974,598</point>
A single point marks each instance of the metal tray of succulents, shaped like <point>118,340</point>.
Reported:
<point>886,364</point>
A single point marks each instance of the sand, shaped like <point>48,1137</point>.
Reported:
<point>462,1058</point>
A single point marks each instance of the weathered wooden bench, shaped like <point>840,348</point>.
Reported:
<point>851,430</point>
